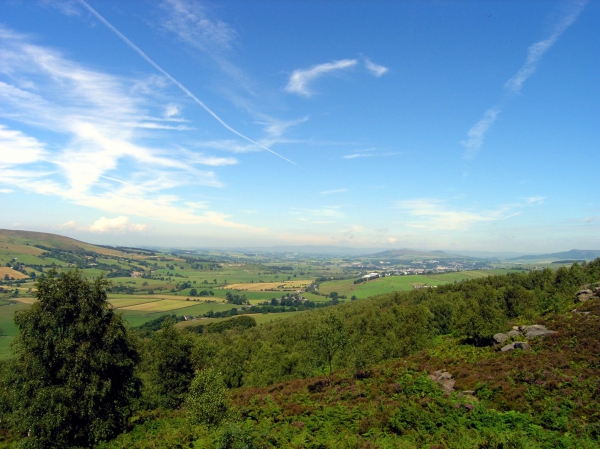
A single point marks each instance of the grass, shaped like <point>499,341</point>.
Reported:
<point>12,273</point>
<point>6,323</point>
<point>281,286</point>
<point>162,305</point>
<point>400,283</point>
<point>126,302</point>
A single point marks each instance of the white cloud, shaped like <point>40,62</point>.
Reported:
<point>537,50</point>
<point>189,21</point>
<point>375,69</point>
<point>477,133</point>
<point>370,153</point>
<point>433,215</point>
<point>329,192</point>
<point>17,148</point>
<point>118,224</point>
<point>535,199</point>
<point>300,78</point>
<point>6,191</point>
<point>392,239</point>
<point>181,87</point>
<point>94,158</point>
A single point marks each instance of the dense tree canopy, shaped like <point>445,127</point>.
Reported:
<point>74,375</point>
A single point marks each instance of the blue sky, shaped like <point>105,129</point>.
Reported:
<point>432,125</point>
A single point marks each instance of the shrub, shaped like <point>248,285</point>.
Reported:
<point>206,402</point>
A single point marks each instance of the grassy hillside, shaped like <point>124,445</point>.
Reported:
<point>409,369</point>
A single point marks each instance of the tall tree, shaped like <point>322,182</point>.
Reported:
<point>328,338</point>
<point>170,365</point>
<point>74,375</point>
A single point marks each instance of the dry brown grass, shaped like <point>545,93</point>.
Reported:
<point>12,273</point>
<point>267,286</point>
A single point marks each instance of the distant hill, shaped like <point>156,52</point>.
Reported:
<point>574,254</point>
<point>30,238</point>
<point>329,250</point>
<point>407,252</point>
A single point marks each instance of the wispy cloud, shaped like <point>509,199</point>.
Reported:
<point>184,89</point>
<point>375,69</point>
<point>301,78</point>
<point>189,21</point>
<point>371,152</point>
<point>93,158</point>
<point>329,192</point>
<point>434,215</point>
<point>537,50</point>
<point>535,199</point>
<point>476,134</point>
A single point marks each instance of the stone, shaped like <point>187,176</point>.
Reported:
<point>584,297</point>
<point>514,333</point>
<point>500,337</point>
<point>531,333</point>
<point>444,379</point>
<point>508,348</point>
<point>535,326</point>
<point>537,332</point>
<point>585,291</point>
<point>522,345</point>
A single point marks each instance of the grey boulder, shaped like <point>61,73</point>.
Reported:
<point>500,337</point>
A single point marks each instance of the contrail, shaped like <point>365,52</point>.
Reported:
<point>177,83</point>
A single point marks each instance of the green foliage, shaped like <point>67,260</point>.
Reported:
<point>206,402</point>
<point>156,324</point>
<point>479,316</point>
<point>239,323</point>
<point>328,338</point>
<point>73,378</point>
<point>170,367</point>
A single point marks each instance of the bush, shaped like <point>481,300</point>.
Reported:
<point>206,402</point>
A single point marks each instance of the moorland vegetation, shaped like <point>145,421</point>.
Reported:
<point>353,375</point>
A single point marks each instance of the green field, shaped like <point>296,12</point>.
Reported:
<point>6,323</point>
<point>400,283</point>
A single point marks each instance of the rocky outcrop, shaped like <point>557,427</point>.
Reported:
<point>444,379</point>
<point>523,345</point>
<point>587,294</point>
<point>521,332</point>
<point>536,330</point>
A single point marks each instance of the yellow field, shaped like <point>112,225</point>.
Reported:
<point>24,300</point>
<point>266,286</point>
<point>12,273</point>
<point>148,298</point>
<point>159,306</point>
<point>126,302</point>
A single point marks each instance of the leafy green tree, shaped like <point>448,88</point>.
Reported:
<point>479,318</point>
<point>73,379</point>
<point>206,402</point>
<point>170,364</point>
<point>328,338</point>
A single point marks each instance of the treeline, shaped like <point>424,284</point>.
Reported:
<point>394,325</point>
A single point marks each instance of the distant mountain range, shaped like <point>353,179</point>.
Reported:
<point>407,252</point>
<point>574,254</point>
